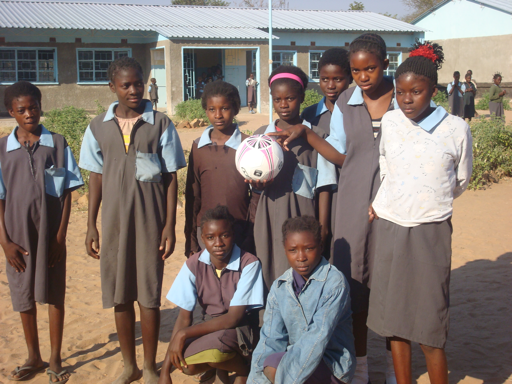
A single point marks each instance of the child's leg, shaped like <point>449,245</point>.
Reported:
<point>401,352</point>
<point>270,373</point>
<point>360,331</point>
<point>56,317</point>
<point>436,362</point>
<point>125,326</point>
<point>150,325</point>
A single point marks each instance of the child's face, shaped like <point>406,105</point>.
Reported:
<point>27,112</point>
<point>414,94</point>
<point>128,86</point>
<point>333,81</point>
<point>286,101</point>
<point>468,78</point>
<point>220,112</point>
<point>218,238</point>
<point>154,81</point>
<point>498,80</point>
<point>367,70</point>
<point>456,78</point>
<point>303,252</point>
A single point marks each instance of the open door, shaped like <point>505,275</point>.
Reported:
<point>235,71</point>
<point>189,78</point>
<point>158,71</point>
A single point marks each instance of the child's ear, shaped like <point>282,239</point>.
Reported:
<point>435,91</point>
<point>112,87</point>
<point>11,112</point>
<point>386,63</point>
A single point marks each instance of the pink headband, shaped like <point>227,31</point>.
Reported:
<point>287,76</point>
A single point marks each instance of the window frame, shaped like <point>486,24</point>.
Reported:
<point>94,82</point>
<point>55,64</point>
<point>294,62</point>
<point>310,79</point>
<point>399,61</point>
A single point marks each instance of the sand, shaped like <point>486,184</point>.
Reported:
<point>479,345</point>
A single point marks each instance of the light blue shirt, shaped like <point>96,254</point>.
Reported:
<point>461,85</point>
<point>249,292</point>
<point>169,149</point>
<point>72,178</point>
<point>233,142</point>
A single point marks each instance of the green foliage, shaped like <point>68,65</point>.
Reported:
<point>247,132</point>
<point>71,123</point>
<point>441,99</point>
<point>356,6</point>
<point>182,177</point>
<point>311,98</point>
<point>219,3</point>
<point>190,110</point>
<point>482,104</point>
<point>393,16</point>
<point>99,108</point>
<point>491,150</point>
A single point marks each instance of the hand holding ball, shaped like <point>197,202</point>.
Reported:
<point>259,158</point>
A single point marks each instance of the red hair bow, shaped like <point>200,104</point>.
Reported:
<point>426,51</point>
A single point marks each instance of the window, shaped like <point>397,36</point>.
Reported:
<point>94,63</point>
<point>315,56</point>
<point>393,59</point>
<point>283,58</point>
<point>28,64</point>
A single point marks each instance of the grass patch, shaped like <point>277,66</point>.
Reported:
<point>482,104</point>
<point>190,110</point>
<point>311,97</point>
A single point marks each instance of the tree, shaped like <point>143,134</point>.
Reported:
<point>218,3</point>
<point>387,14</point>
<point>283,4</point>
<point>356,6</point>
<point>418,7</point>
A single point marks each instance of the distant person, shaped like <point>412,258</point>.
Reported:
<point>35,204</point>
<point>456,89</point>
<point>153,90</point>
<point>469,72</point>
<point>251,83</point>
<point>200,86</point>
<point>218,75</point>
<point>469,109</point>
<point>496,96</point>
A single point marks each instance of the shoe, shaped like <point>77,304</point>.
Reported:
<point>205,376</point>
<point>30,372</point>
<point>49,372</point>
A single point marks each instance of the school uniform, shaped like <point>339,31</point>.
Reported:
<point>424,167</point>
<point>456,102</point>
<point>133,201</point>
<point>251,84</point>
<point>291,194</point>
<point>240,283</point>
<point>153,90</point>
<point>212,179</point>
<point>33,183</point>
<point>495,103</point>
<point>469,109</point>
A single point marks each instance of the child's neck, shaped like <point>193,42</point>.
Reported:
<point>383,89</point>
<point>26,136</point>
<point>285,125</point>
<point>221,136</point>
<point>329,104</point>
<point>125,112</point>
<point>220,264</point>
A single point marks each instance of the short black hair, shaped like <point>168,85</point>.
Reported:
<point>221,88</point>
<point>302,224</point>
<point>21,88</point>
<point>339,57</point>
<point>456,73</point>
<point>369,42</point>
<point>425,59</point>
<point>292,83</point>
<point>220,212</point>
<point>469,71</point>
<point>121,63</point>
<point>497,75</point>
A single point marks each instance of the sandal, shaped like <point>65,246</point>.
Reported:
<point>205,376</point>
<point>49,372</point>
<point>31,371</point>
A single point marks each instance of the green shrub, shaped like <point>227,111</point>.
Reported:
<point>182,177</point>
<point>441,99</point>
<point>491,149</point>
<point>482,104</point>
<point>99,108</point>
<point>71,123</point>
<point>190,110</point>
<point>311,98</point>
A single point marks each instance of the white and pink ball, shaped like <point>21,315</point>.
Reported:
<point>259,158</point>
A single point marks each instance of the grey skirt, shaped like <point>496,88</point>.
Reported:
<point>410,288</point>
<point>496,109</point>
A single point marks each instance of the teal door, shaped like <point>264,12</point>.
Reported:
<point>158,71</point>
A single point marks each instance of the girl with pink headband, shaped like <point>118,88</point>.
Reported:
<point>293,192</point>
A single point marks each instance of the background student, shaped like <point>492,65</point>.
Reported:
<point>425,163</point>
<point>496,96</point>
<point>469,108</point>
<point>153,91</point>
<point>133,153</point>
<point>456,89</point>
<point>38,174</point>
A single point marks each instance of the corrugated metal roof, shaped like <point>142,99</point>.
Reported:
<point>189,21</point>
<point>504,5</point>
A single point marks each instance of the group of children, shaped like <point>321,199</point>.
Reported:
<point>276,307</point>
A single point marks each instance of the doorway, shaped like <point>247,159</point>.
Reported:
<point>158,71</point>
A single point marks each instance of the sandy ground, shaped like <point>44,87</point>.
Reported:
<point>479,345</point>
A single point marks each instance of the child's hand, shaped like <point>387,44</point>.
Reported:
<point>175,351</point>
<point>285,137</point>
<point>372,214</point>
<point>258,185</point>
<point>167,242</point>
<point>13,254</point>
<point>324,235</point>
<point>57,251</point>
<point>92,242</point>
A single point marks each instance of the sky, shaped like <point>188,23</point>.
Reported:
<point>391,6</point>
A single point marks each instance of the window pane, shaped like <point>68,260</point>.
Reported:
<point>314,65</point>
<point>8,65</point>
<point>85,76</point>
<point>85,55</point>
<point>101,76</point>
<point>103,55</point>
<point>276,57</point>
<point>118,54</point>
<point>7,76</point>
<point>27,69</point>
<point>287,58</point>
<point>45,64</point>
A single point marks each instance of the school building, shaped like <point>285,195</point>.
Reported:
<point>66,48</point>
<point>476,35</point>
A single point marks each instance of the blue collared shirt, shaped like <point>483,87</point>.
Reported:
<point>72,178</point>
<point>458,93</point>
<point>233,142</point>
<point>312,326</point>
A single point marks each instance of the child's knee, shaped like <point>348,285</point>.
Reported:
<point>270,373</point>
<point>431,350</point>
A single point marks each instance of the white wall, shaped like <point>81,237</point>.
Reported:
<point>465,19</point>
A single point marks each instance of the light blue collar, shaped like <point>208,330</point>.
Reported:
<point>147,115</point>
<point>272,127</point>
<point>321,107</point>
<point>357,96</point>
<point>233,264</point>
<point>432,120</point>
<point>320,273</point>
<point>45,139</point>
<point>233,142</point>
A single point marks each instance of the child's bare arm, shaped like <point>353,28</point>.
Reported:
<point>92,242</point>
<point>324,212</point>
<point>168,238</point>
<point>13,252</point>
<point>58,243</point>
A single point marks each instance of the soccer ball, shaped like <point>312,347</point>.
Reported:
<point>259,158</point>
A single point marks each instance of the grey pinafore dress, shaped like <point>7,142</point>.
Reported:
<point>291,194</point>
